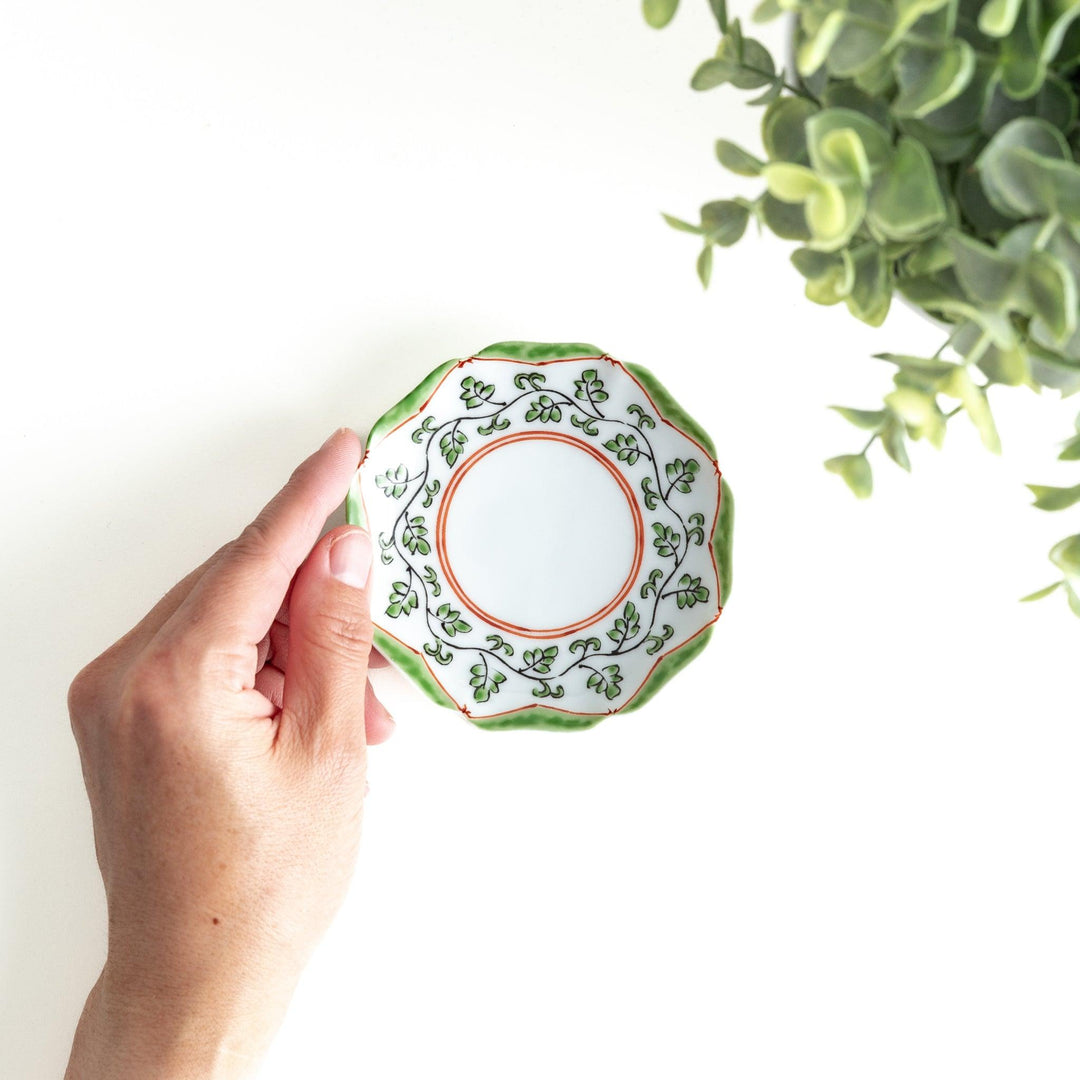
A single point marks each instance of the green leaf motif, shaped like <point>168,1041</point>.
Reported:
<point>689,592</point>
<point>545,410</point>
<point>657,641</point>
<point>590,388</point>
<point>476,392</point>
<point>626,448</point>
<point>695,533</point>
<point>414,535</point>
<point>644,420</point>
<point>451,621</point>
<point>393,482</point>
<point>651,495</point>
<point>426,428</point>
<point>587,424</point>
<point>605,681</point>
<point>666,541</point>
<point>545,690</point>
<point>681,474</point>
<point>438,652</point>
<point>526,380</point>
<point>485,681</point>
<point>402,600</point>
<point>386,543</point>
<point>585,645</point>
<point>540,660</point>
<point>499,644</point>
<point>430,491</point>
<point>651,587</point>
<point>626,626</point>
<point>498,423</point>
<point>452,445</point>
<point>433,580</point>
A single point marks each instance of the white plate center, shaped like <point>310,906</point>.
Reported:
<point>540,534</point>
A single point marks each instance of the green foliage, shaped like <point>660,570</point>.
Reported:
<point>928,149</point>
<point>393,482</point>
<point>402,600</point>
<point>626,448</point>
<point>604,681</point>
<point>451,621</point>
<point>544,409</point>
<point>485,680</point>
<point>475,392</point>
<point>540,660</point>
<point>626,626</point>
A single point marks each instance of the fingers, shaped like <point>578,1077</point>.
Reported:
<point>378,723</point>
<point>234,602</point>
<point>330,635</point>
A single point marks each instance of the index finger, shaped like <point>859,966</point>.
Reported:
<point>235,601</point>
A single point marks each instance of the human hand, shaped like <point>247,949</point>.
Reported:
<point>223,744</point>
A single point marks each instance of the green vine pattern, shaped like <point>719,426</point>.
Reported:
<point>595,660</point>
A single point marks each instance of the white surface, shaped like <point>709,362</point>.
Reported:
<point>843,844</point>
<point>529,548</point>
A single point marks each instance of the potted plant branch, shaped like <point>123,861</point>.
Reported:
<point>927,149</point>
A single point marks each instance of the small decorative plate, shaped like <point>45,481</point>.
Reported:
<point>554,537</point>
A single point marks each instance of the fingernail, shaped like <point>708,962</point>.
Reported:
<point>350,557</point>
<point>333,435</point>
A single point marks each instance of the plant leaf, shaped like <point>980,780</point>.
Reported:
<point>737,160</point>
<point>1054,498</point>
<point>658,13</point>
<point>815,47</point>
<point>1040,593</point>
<point>997,18</point>
<point>1066,555</point>
<point>906,201</point>
<point>724,221</point>
<point>855,471</point>
<point>682,226</point>
<point>930,78</point>
<point>704,265</point>
<point>862,418</point>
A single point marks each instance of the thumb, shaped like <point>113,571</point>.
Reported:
<point>330,635</point>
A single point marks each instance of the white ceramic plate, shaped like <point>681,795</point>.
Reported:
<point>553,535</point>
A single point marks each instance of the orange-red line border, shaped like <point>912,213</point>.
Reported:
<point>631,501</point>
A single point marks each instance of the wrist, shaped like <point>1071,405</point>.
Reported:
<point>126,1031</point>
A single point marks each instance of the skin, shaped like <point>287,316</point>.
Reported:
<point>224,746</point>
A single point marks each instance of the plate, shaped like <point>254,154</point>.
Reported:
<point>553,535</point>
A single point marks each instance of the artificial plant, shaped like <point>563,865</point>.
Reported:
<point>928,148</point>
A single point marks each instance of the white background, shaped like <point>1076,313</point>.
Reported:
<point>843,843</point>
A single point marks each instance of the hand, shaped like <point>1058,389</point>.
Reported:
<point>223,744</point>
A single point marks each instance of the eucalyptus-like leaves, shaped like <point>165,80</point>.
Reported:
<point>926,148</point>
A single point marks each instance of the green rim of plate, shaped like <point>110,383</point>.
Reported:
<point>538,717</point>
